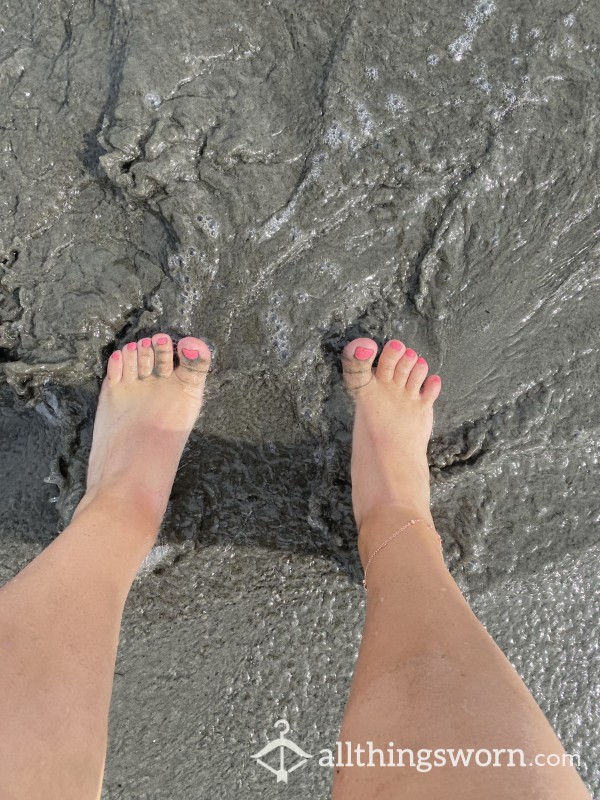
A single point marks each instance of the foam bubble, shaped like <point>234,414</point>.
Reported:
<point>152,99</point>
<point>395,104</point>
<point>482,83</point>
<point>335,136</point>
<point>279,333</point>
<point>190,293</point>
<point>153,559</point>
<point>365,119</point>
<point>473,21</point>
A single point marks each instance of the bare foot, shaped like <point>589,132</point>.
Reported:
<point>392,425</point>
<point>146,411</point>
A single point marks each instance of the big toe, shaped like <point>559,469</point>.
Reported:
<point>194,362</point>
<point>357,362</point>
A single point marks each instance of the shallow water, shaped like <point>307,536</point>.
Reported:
<point>279,178</point>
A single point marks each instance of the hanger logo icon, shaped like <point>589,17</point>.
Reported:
<point>284,746</point>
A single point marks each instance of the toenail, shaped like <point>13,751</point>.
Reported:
<point>116,355</point>
<point>363,353</point>
<point>146,342</point>
<point>436,378</point>
<point>162,340</point>
<point>421,361</point>
<point>191,354</point>
<point>132,346</point>
<point>396,345</point>
<point>410,353</point>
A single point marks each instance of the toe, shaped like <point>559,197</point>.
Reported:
<point>130,365</point>
<point>404,366</point>
<point>163,355</point>
<point>357,361</point>
<point>194,363</point>
<point>114,368</point>
<point>431,389</point>
<point>390,355</point>
<point>145,355</point>
<point>417,375</point>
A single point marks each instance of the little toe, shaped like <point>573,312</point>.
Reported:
<point>145,355</point>
<point>390,355</point>
<point>163,355</point>
<point>431,389</point>
<point>404,366</point>
<point>417,375</point>
<point>194,362</point>
<point>357,362</point>
<point>114,368</point>
<point>130,364</point>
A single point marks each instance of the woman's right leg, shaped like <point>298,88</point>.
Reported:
<point>428,675</point>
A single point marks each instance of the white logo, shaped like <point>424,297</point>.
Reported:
<point>282,743</point>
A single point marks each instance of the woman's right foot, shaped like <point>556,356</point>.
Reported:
<point>392,425</point>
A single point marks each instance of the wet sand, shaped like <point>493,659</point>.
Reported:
<point>278,179</point>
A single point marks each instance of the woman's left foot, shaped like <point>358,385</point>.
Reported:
<point>146,410</point>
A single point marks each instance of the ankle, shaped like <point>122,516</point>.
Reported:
<point>117,528</point>
<point>382,521</point>
<point>129,501</point>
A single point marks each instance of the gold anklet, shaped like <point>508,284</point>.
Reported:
<point>393,536</point>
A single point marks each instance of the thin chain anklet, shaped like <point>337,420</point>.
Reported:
<point>393,536</point>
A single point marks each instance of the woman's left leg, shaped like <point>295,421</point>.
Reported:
<point>60,617</point>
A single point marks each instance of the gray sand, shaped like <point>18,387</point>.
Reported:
<point>279,177</point>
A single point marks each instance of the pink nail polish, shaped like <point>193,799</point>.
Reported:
<point>162,340</point>
<point>190,354</point>
<point>410,353</point>
<point>132,346</point>
<point>116,355</point>
<point>421,361</point>
<point>363,353</point>
<point>396,345</point>
<point>146,342</point>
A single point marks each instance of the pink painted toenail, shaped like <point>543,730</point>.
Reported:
<point>116,355</point>
<point>436,378</point>
<point>363,353</point>
<point>191,354</point>
<point>146,342</point>
<point>162,340</point>
<point>396,345</point>
<point>410,353</point>
<point>421,361</point>
<point>132,346</point>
